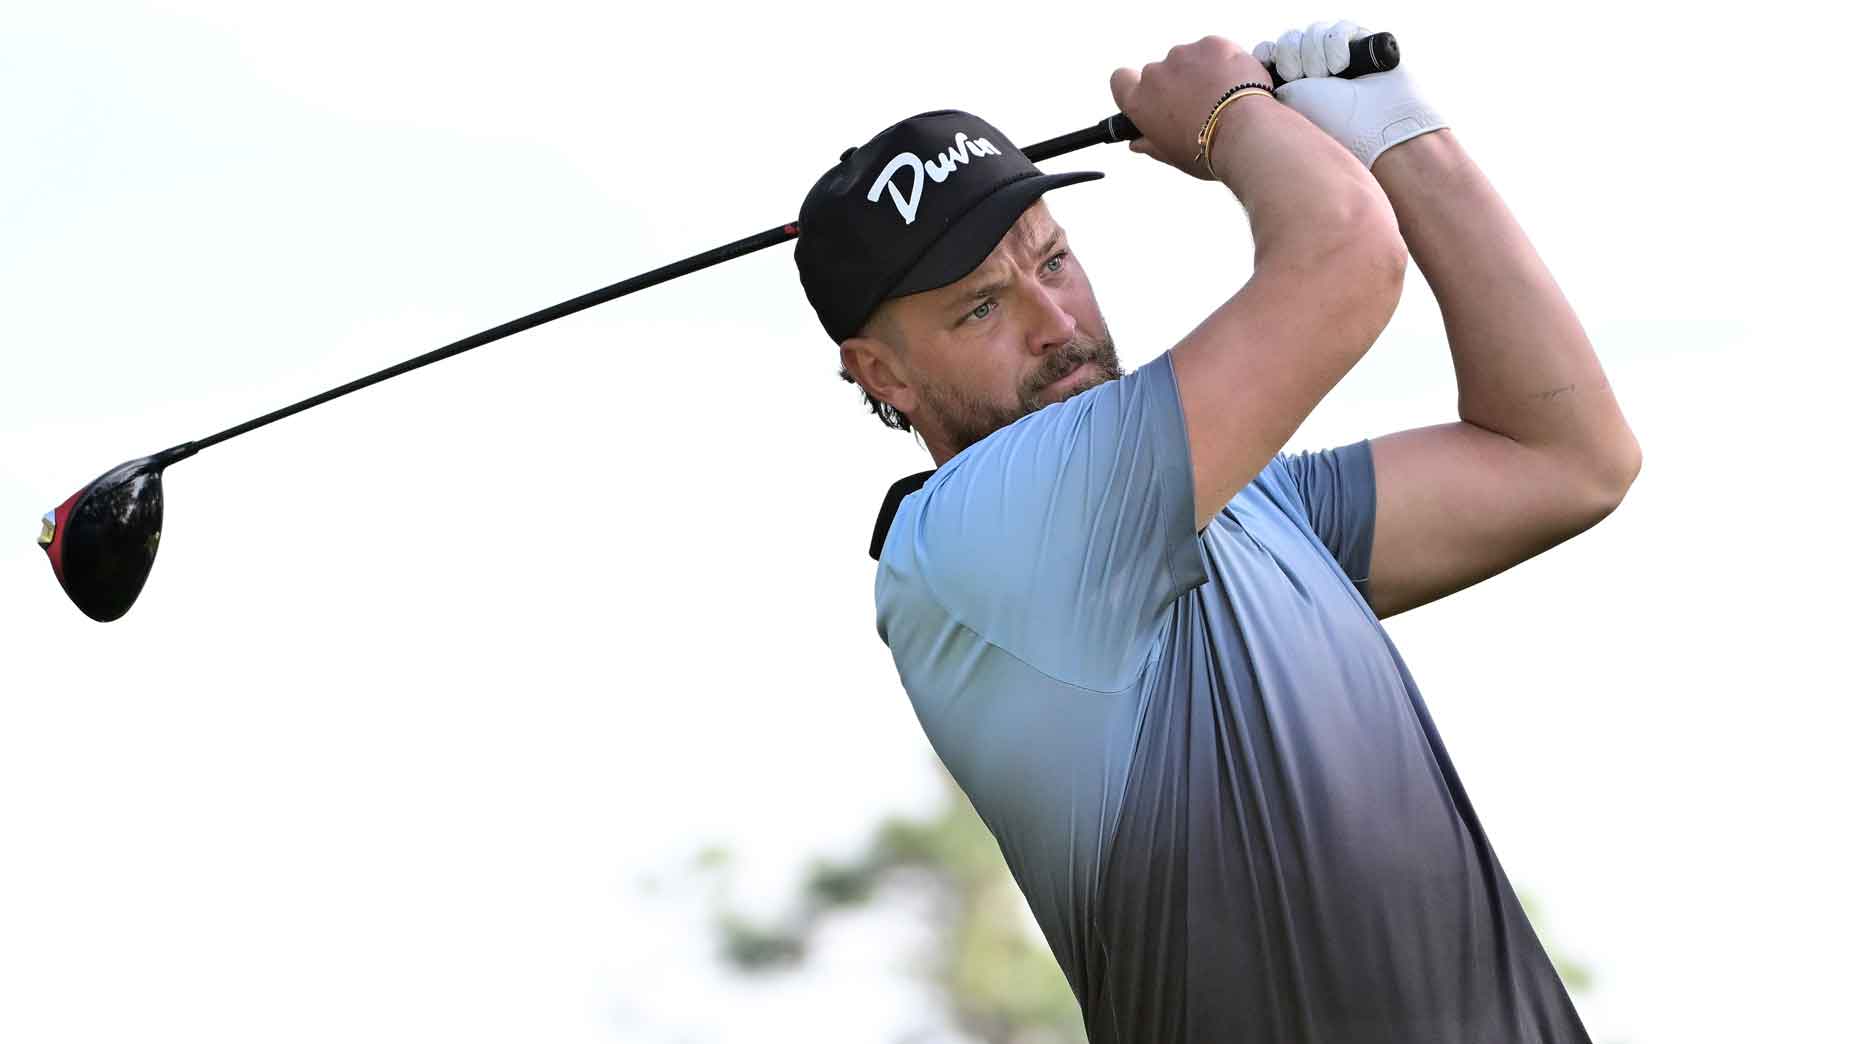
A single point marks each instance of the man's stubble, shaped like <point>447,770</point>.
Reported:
<point>966,420</point>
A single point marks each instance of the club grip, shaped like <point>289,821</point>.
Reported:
<point>1368,54</point>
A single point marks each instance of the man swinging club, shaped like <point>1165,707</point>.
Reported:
<point>1144,640</point>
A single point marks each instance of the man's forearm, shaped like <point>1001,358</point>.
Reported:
<point>1524,366</point>
<point>1304,193</point>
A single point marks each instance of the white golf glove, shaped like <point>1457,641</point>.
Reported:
<point>1369,114</point>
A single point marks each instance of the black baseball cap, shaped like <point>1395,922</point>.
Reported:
<point>916,207</point>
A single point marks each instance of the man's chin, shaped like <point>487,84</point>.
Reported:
<point>1076,377</point>
<point>1077,381</point>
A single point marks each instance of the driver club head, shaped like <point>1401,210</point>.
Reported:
<point>102,541</point>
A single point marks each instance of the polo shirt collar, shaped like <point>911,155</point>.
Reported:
<point>892,501</point>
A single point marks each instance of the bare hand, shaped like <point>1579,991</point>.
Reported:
<point>1169,100</point>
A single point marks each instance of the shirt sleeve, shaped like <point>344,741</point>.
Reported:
<point>1336,488</point>
<point>1065,537</point>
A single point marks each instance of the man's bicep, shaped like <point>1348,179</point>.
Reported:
<point>1251,373</point>
<point>1336,489</point>
<point>1457,504</point>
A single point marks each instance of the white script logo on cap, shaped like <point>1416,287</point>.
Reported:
<point>938,168</point>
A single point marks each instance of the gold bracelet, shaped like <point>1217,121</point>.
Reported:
<point>1207,132</point>
<point>1205,129</point>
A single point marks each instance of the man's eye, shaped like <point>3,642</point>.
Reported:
<point>1056,260</point>
<point>984,310</point>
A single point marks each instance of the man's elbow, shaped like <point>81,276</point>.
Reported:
<point>1612,477</point>
<point>1373,228</point>
<point>1375,274</point>
<point>1389,261</point>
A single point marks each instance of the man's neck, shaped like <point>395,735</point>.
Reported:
<point>939,448</point>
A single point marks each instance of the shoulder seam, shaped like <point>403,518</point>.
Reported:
<point>940,603</point>
<point>1027,664</point>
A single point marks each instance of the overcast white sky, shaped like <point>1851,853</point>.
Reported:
<point>428,681</point>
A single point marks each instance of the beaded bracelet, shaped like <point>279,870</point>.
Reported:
<point>1211,122</point>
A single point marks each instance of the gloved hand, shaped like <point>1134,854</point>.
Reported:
<point>1368,114</point>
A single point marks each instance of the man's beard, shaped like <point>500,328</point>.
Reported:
<point>967,420</point>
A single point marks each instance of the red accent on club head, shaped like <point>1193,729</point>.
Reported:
<point>55,549</point>
<point>791,230</point>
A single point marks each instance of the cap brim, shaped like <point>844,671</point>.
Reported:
<point>974,234</point>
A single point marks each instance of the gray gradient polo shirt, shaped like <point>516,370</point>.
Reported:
<point>1201,756</point>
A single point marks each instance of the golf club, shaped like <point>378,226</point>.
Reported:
<point>102,540</point>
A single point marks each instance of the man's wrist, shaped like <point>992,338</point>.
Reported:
<point>1226,151</point>
<point>1430,158</point>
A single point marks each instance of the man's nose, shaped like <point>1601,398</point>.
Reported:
<point>1053,326</point>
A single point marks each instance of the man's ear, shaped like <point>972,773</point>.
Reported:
<point>875,366</point>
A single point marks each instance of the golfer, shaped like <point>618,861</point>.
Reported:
<point>1144,640</point>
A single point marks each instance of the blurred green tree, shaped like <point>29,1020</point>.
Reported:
<point>992,968</point>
